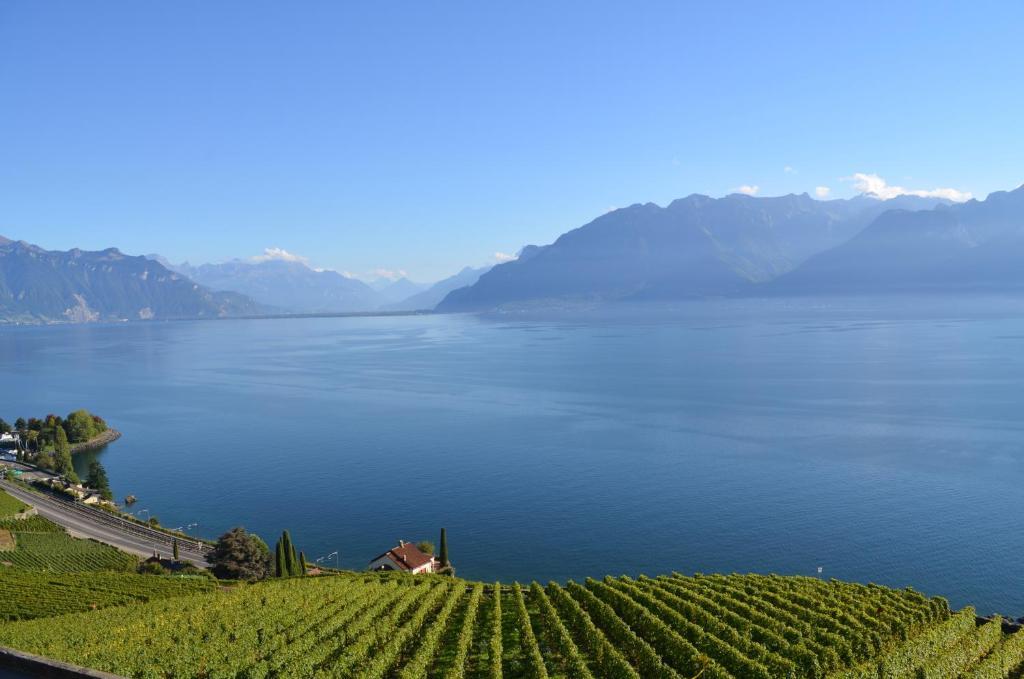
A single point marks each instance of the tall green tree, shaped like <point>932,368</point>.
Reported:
<point>174,549</point>
<point>20,424</point>
<point>444,549</point>
<point>4,427</point>
<point>302,563</point>
<point>280,564</point>
<point>98,480</point>
<point>291,566</point>
<point>62,456</point>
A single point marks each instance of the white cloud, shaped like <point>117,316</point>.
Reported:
<point>750,190</point>
<point>822,191</point>
<point>789,169</point>
<point>873,185</point>
<point>279,253</point>
<point>390,274</point>
<point>501,257</point>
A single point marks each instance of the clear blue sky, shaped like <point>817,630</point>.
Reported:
<point>426,136</point>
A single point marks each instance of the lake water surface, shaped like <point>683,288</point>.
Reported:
<point>879,441</point>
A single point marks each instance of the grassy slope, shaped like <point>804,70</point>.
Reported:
<point>9,506</point>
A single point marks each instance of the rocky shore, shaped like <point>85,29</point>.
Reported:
<point>96,441</point>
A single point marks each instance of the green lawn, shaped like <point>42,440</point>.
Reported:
<point>10,506</point>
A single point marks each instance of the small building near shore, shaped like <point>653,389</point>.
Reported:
<point>406,557</point>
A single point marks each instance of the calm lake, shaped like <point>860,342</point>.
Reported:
<point>879,441</point>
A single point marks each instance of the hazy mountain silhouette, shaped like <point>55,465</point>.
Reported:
<point>287,284</point>
<point>433,295</point>
<point>977,245</point>
<point>695,247</point>
<point>78,285</point>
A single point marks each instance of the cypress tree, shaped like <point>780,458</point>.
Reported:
<point>444,548</point>
<point>289,553</point>
<point>174,548</point>
<point>296,566</point>
<point>280,567</point>
<point>302,563</point>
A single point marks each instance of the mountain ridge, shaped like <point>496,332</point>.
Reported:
<point>39,285</point>
<point>696,246</point>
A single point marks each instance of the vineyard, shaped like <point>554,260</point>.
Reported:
<point>42,545</point>
<point>30,594</point>
<point>365,625</point>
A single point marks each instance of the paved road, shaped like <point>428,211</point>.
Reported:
<point>86,522</point>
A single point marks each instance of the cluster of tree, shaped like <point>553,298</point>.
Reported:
<point>286,563</point>
<point>42,439</point>
<point>47,441</point>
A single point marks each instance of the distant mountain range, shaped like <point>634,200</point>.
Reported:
<point>44,285</point>
<point>972,246</point>
<point>432,296</point>
<point>695,247</point>
<point>290,286</point>
<point>293,286</point>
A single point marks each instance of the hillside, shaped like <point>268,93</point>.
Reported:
<point>695,247</point>
<point>78,286</point>
<point>370,625</point>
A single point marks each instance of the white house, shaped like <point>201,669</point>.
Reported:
<point>405,557</point>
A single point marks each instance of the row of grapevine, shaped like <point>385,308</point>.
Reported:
<point>495,647</point>
<point>60,553</point>
<point>429,627</point>
<point>528,640</point>
<point>906,659</point>
<point>33,594</point>
<point>735,620</point>
<point>960,657</point>
<point>465,638</point>
<point>607,660</point>
<point>1005,659</point>
<point>558,636</point>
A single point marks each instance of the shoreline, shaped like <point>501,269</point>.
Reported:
<point>109,436</point>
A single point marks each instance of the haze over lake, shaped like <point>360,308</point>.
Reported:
<point>880,440</point>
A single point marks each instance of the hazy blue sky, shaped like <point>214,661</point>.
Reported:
<point>426,136</point>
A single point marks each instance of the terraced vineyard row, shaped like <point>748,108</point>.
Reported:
<point>364,625</point>
<point>28,594</point>
<point>41,545</point>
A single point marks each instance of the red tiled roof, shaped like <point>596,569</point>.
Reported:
<point>407,556</point>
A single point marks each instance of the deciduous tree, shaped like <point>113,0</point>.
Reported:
<point>240,555</point>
